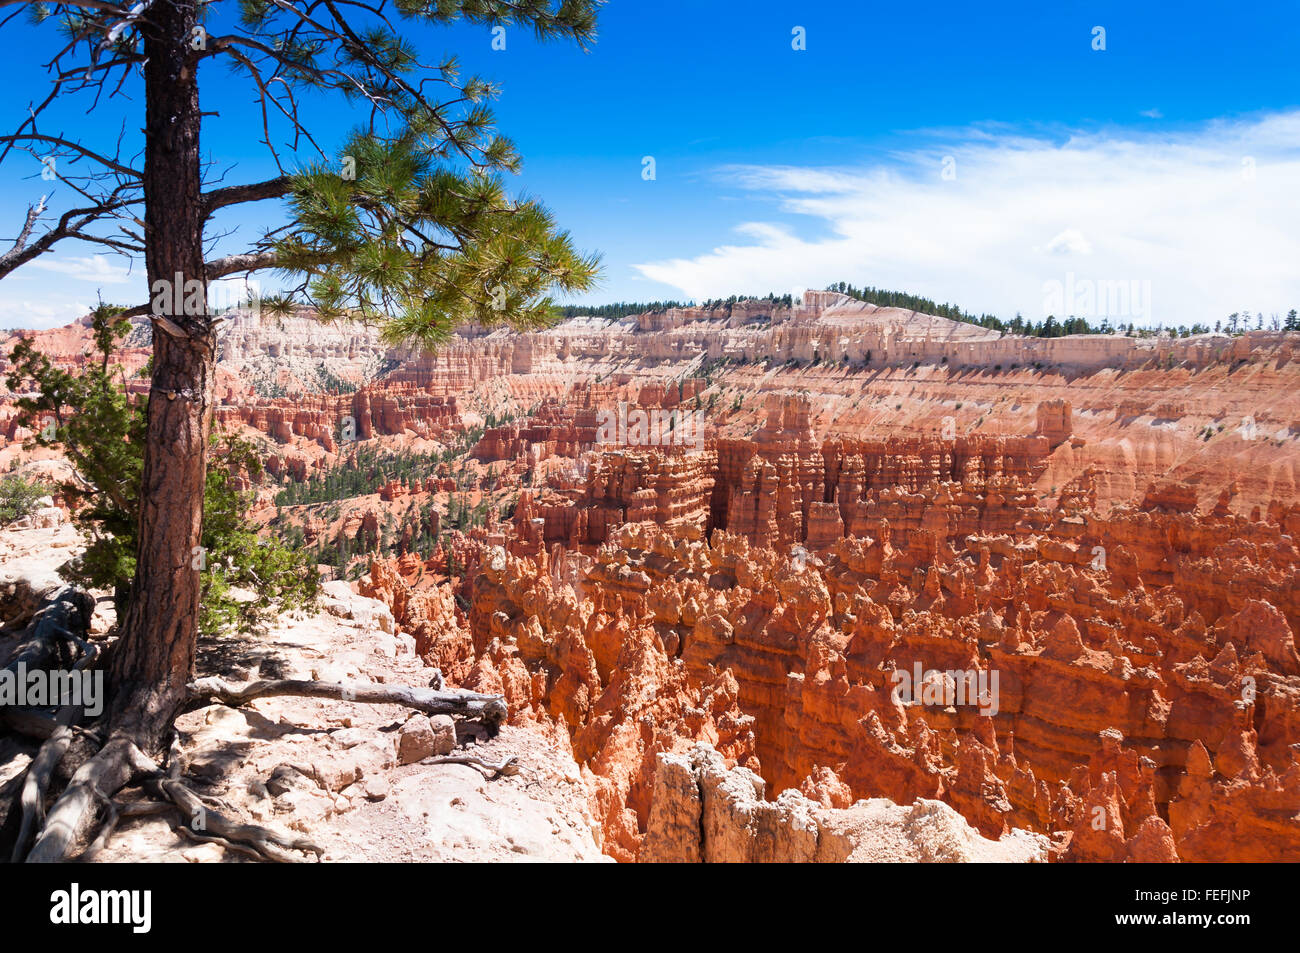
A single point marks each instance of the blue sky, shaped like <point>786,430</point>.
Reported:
<point>1168,161</point>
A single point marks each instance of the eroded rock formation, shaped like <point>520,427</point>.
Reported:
<point>704,812</point>
<point>1095,535</point>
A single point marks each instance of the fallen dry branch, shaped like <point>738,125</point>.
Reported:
<point>507,767</point>
<point>490,708</point>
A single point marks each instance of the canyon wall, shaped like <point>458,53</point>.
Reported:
<point>1146,673</point>
<point>885,573</point>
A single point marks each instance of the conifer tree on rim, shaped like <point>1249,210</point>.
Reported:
<point>408,225</point>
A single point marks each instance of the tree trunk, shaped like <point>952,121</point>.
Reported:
<point>155,657</point>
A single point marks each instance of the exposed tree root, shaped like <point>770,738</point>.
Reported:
<point>121,762</point>
<point>32,798</point>
<point>27,722</point>
<point>230,845</point>
<point>203,823</point>
<point>52,639</point>
<point>48,642</point>
<point>115,811</point>
<point>115,766</point>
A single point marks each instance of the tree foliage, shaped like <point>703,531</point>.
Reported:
<point>18,497</point>
<point>100,426</point>
<point>422,247</point>
<point>619,309</point>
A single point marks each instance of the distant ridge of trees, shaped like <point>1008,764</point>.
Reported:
<point>783,301</point>
<point>910,302</point>
<point>623,309</point>
<point>1049,327</point>
<point>617,310</point>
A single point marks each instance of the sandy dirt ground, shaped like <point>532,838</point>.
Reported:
<point>333,771</point>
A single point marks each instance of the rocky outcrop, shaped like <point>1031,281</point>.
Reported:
<point>1111,661</point>
<point>333,419</point>
<point>701,811</point>
<point>1077,554</point>
<point>783,487</point>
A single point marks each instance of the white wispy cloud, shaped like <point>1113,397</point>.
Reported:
<point>31,299</point>
<point>53,290</point>
<point>46,310</point>
<point>1209,216</point>
<point>96,269</point>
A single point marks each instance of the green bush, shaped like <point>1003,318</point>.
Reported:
<point>101,429</point>
<point>18,498</point>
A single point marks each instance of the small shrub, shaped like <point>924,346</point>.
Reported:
<point>18,498</point>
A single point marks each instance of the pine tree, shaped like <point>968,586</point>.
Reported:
<point>101,430</point>
<point>409,224</point>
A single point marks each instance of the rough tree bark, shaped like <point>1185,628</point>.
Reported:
<point>154,659</point>
<point>152,663</point>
